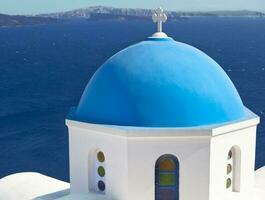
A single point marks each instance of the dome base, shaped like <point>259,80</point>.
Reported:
<point>159,35</point>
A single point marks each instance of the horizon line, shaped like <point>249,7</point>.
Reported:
<point>167,10</point>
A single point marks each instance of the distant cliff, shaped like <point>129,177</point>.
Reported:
<point>101,12</point>
<point>18,20</point>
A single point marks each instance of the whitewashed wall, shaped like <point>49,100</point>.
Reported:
<point>131,154</point>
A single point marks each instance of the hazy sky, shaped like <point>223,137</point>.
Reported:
<point>44,6</point>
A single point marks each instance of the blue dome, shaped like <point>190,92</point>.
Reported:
<point>159,83</point>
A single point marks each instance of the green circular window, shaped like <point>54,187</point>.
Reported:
<point>228,183</point>
<point>101,171</point>
<point>101,156</point>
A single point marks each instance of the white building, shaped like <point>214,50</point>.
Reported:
<point>160,120</point>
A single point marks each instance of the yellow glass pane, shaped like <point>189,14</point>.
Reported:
<point>229,168</point>
<point>101,157</point>
<point>167,165</point>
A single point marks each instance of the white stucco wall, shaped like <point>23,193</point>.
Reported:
<point>245,140</point>
<point>130,163</point>
<point>193,154</point>
<point>131,154</point>
<point>82,142</point>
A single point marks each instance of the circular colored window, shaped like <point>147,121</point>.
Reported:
<point>101,171</point>
<point>101,157</point>
<point>101,186</point>
<point>229,168</point>
<point>230,154</point>
<point>228,183</point>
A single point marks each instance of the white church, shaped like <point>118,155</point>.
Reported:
<point>159,120</point>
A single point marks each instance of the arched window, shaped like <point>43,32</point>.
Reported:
<point>233,169</point>
<point>167,178</point>
<point>98,172</point>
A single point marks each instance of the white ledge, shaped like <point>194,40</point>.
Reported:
<point>197,131</point>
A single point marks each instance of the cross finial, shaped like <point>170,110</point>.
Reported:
<point>159,17</point>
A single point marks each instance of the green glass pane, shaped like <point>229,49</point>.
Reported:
<point>101,171</point>
<point>167,179</point>
<point>228,183</point>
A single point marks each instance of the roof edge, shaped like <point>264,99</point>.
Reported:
<point>250,120</point>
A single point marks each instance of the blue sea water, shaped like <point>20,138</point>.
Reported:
<point>44,69</point>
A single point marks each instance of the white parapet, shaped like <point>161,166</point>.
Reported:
<point>29,185</point>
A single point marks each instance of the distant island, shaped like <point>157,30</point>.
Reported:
<point>20,20</point>
<point>103,13</point>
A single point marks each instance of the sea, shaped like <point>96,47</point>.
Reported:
<point>44,70</point>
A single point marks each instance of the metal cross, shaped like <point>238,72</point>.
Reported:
<point>159,17</point>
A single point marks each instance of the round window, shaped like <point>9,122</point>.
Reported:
<point>101,157</point>
<point>229,168</point>
<point>101,186</point>
<point>101,171</point>
<point>230,155</point>
<point>228,183</point>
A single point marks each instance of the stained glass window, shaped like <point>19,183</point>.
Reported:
<point>229,168</point>
<point>228,183</point>
<point>101,157</point>
<point>230,155</point>
<point>166,178</point>
<point>101,171</point>
<point>233,169</point>
<point>101,186</point>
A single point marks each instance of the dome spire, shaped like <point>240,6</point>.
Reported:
<point>159,17</point>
